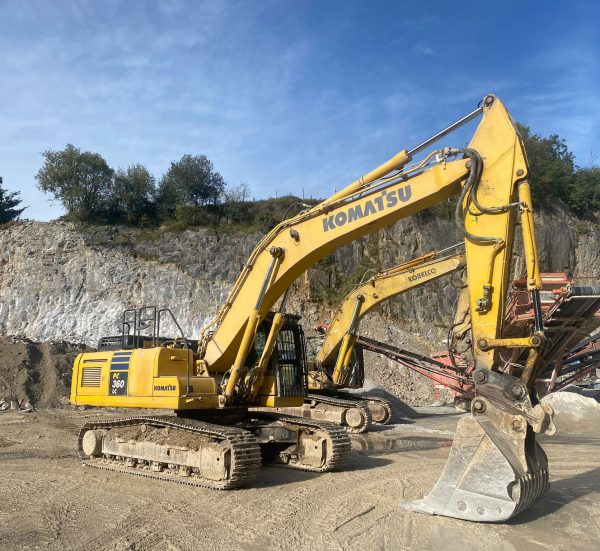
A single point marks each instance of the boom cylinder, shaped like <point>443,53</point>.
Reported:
<point>345,353</point>
<point>237,368</point>
<point>534,280</point>
<point>395,163</point>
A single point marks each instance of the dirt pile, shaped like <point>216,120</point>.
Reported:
<point>34,374</point>
<point>575,411</point>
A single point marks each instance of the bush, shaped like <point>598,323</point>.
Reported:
<point>80,180</point>
<point>8,202</point>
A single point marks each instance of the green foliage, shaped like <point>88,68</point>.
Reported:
<point>581,228</point>
<point>133,195</point>
<point>551,165</point>
<point>237,212</point>
<point>189,193</point>
<point>266,221</point>
<point>193,194</point>
<point>189,215</point>
<point>8,202</point>
<point>585,192</point>
<point>555,176</point>
<point>193,181</point>
<point>80,180</point>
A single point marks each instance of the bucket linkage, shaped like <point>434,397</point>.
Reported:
<point>496,469</point>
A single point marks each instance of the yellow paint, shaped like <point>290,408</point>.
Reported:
<point>380,199</point>
<point>380,288</point>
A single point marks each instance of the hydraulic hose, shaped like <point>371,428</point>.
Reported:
<point>468,191</point>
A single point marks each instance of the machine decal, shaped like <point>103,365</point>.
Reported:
<point>421,275</point>
<point>118,383</point>
<point>386,200</point>
<point>164,388</point>
<point>120,361</point>
<point>119,373</point>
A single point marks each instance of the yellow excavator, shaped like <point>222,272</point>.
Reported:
<point>252,355</point>
<point>338,363</point>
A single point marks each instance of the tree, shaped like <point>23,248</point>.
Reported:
<point>236,208</point>
<point>193,181</point>
<point>80,180</point>
<point>236,193</point>
<point>133,192</point>
<point>8,202</point>
<point>585,192</point>
<point>551,165</point>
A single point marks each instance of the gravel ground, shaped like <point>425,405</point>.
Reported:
<point>50,501</point>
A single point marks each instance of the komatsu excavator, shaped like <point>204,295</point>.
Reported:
<point>252,356</point>
<point>338,363</point>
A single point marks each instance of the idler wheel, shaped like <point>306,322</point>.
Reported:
<point>92,443</point>
<point>355,418</point>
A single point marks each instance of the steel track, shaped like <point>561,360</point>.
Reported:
<point>338,438</point>
<point>387,405</point>
<point>346,404</point>
<point>245,450</point>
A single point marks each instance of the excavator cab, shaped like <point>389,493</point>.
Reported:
<point>285,376</point>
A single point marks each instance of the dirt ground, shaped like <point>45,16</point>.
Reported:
<point>33,373</point>
<point>48,500</point>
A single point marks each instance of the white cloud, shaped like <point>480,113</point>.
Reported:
<point>423,48</point>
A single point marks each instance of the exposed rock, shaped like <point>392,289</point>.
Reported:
<point>58,283</point>
<point>62,282</point>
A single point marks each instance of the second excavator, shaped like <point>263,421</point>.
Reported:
<point>252,354</point>
<point>337,364</point>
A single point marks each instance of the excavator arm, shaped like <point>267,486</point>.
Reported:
<point>495,468</point>
<point>336,351</point>
<point>382,197</point>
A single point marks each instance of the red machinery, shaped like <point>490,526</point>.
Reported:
<point>570,313</point>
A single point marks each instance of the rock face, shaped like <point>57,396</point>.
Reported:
<point>61,282</point>
<point>65,283</point>
<point>58,283</point>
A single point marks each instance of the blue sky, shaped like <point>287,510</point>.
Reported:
<point>286,95</point>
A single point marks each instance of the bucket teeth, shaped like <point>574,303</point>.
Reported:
<point>532,487</point>
<point>487,479</point>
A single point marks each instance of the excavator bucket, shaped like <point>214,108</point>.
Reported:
<point>495,470</point>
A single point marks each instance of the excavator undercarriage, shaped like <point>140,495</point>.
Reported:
<point>206,454</point>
